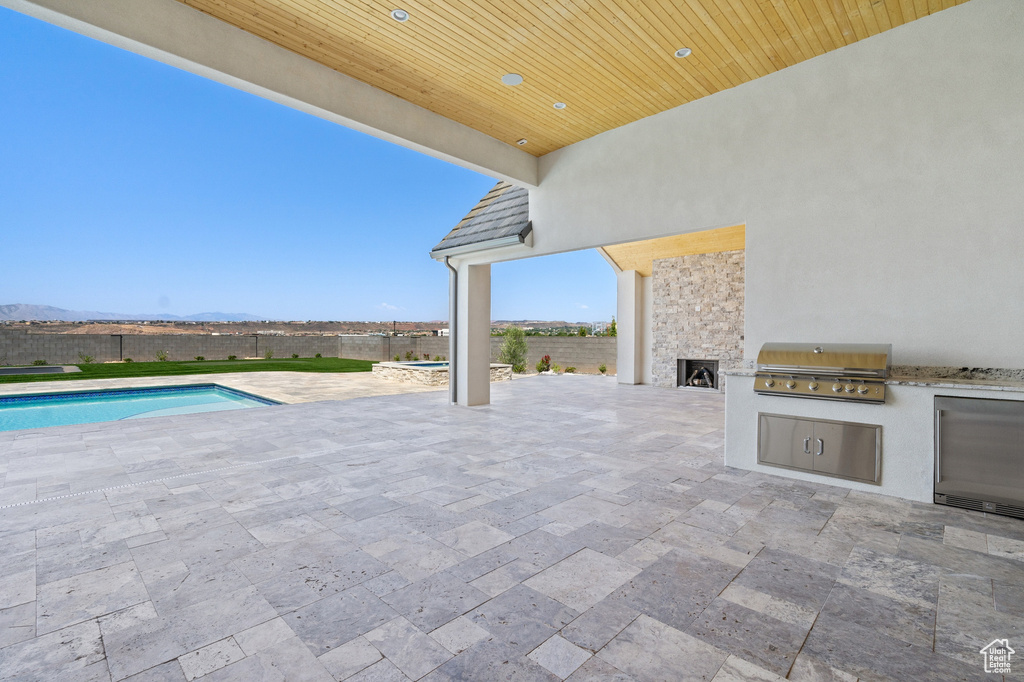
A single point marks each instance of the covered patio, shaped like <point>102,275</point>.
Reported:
<point>574,529</point>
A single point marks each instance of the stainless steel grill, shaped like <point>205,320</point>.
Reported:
<point>828,371</point>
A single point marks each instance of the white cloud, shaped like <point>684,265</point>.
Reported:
<point>388,306</point>
<point>583,306</point>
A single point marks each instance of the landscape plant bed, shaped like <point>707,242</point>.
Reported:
<point>119,370</point>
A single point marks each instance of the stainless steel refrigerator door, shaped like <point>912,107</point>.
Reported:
<point>979,449</point>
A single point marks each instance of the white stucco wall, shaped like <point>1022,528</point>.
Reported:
<point>907,419</point>
<point>881,186</point>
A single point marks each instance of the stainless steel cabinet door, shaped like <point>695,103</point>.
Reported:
<point>785,441</point>
<point>847,450</point>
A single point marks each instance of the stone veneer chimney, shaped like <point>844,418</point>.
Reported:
<point>697,312</point>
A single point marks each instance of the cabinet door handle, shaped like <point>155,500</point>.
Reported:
<point>821,446</point>
<point>807,445</point>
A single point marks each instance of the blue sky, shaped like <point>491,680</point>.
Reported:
<point>129,186</point>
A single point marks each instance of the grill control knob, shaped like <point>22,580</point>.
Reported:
<point>849,388</point>
<point>838,388</point>
<point>790,384</point>
<point>862,389</point>
<point>813,385</point>
<point>769,382</point>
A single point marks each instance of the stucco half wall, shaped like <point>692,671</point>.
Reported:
<point>880,187</point>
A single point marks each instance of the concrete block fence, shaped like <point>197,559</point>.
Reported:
<point>22,348</point>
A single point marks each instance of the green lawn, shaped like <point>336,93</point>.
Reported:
<point>161,369</point>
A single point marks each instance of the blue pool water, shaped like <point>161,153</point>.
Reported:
<point>87,407</point>
<point>425,364</point>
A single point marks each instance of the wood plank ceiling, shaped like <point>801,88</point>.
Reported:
<point>640,256</point>
<point>610,61</point>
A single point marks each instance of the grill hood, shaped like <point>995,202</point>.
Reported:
<point>826,359</point>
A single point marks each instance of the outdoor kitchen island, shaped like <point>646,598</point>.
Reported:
<point>906,418</point>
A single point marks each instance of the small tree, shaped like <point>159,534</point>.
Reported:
<point>514,349</point>
<point>582,331</point>
<point>612,331</point>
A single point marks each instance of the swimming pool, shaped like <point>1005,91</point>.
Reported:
<point>88,407</point>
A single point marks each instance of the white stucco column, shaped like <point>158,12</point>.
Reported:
<point>630,325</point>
<point>473,373</point>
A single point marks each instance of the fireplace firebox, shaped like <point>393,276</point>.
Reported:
<point>694,373</point>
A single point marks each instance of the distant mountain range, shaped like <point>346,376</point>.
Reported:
<point>23,311</point>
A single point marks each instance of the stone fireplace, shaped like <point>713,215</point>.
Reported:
<point>697,315</point>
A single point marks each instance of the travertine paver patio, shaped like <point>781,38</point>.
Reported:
<point>574,529</point>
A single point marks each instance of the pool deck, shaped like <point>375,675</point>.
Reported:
<point>573,529</point>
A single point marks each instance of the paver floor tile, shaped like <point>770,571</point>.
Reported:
<point>583,579</point>
<point>405,645</point>
<point>651,650</point>
<point>88,595</point>
<point>474,538</point>
<point>559,656</point>
<point>340,618</point>
<point>521,618</point>
<point>435,600</point>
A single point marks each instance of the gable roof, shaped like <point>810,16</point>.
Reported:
<point>501,218</point>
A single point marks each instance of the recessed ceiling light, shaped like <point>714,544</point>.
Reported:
<point>399,15</point>
<point>511,79</point>
<point>559,105</point>
<point>683,52</point>
<point>521,142</point>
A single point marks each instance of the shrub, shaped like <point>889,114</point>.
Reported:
<point>583,331</point>
<point>85,359</point>
<point>268,355</point>
<point>294,355</point>
<point>513,349</point>
<point>127,360</point>
<point>612,329</point>
<point>437,358</point>
<point>161,355</point>
<point>40,362</point>
<point>200,358</point>
<point>408,355</point>
<point>570,370</point>
<point>444,358</point>
<point>556,369</point>
<point>398,358</point>
<point>317,356</point>
<point>232,357</point>
<point>602,368</point>
<point>426,356</point>
<point>544,364</point>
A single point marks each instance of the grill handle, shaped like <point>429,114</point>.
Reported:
<point>821,447</point>
<point>807,445</point>
<point>820,371</point>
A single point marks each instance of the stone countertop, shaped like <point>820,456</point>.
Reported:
<point>1011,385</point>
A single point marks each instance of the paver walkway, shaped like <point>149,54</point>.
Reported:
<point>574,529</point>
